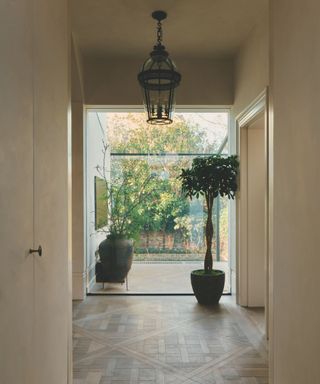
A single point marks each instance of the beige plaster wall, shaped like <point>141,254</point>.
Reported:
<point>251,77</point>
<point>251,74</point>
<point>78,241</point>
<point>295,89</point>
<point>77,93</point>
<point>114,82</point>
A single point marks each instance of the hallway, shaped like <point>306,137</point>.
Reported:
<point>160,340</point>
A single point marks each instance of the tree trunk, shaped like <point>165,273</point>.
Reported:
<point>163,238</point>
<point>209,235</point>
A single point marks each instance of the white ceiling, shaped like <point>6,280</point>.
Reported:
<point>194,28</point>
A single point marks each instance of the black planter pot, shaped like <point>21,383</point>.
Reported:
<point>115,260</point>
<point>208,288</point>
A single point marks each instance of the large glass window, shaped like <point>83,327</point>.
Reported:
<point>168,229</point>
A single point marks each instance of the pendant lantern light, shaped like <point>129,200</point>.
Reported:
<point>159,79</point>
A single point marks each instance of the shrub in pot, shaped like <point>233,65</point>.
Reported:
<point>124,196</point>
<point>209,177</point>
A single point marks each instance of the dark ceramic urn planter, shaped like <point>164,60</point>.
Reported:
<point>208,288</point>
<point>115,260</point>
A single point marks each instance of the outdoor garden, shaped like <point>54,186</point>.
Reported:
<point>143,194</point>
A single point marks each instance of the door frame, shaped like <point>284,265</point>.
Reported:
<point>258,108</point>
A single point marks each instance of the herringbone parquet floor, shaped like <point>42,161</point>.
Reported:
<point>163,340</point>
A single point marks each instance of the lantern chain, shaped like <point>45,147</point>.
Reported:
<point>159,33</point>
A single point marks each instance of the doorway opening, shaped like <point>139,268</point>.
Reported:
<point>252,211</point>
<point>167,228</point>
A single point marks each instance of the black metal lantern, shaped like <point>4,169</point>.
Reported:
<point>158,79</point>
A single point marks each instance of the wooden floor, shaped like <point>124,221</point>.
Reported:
<point>160,340</point>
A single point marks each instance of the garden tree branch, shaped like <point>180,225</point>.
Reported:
<point>124,194</point>
<point>140,194</point>
<point>102,173</point>
<point>115,204</point>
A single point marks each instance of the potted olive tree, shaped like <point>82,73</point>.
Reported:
<point>124,196</point>
<point>209,177</point>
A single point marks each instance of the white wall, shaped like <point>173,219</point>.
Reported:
<point>95,133</point>
<point>295,90</point>
<point>204,81</point>
<point>256,178</point>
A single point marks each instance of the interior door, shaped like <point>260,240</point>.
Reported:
<point>35,298</point>
<point>16,196</point>
<point>52,201</point>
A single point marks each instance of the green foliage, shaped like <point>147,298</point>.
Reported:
<point>131,134</point>
<point>128,133</point>
<point>211,176</point>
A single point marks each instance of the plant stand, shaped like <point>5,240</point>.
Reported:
<point>126,281</point>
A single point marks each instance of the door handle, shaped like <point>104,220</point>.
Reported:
<point>39,250</point>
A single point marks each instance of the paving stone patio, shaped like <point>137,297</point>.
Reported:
<point>160,278</point>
